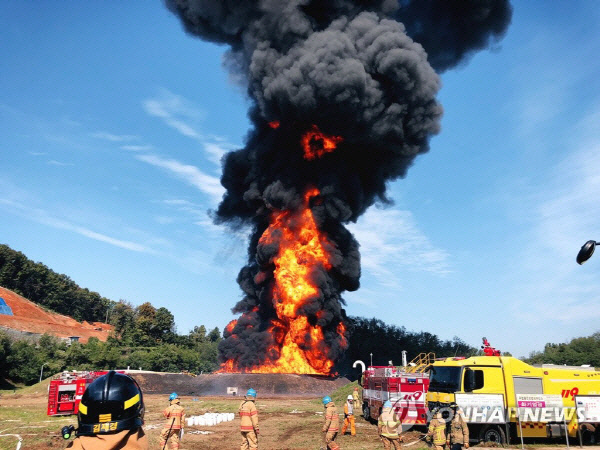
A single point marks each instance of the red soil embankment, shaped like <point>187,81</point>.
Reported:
<point>31,318</point>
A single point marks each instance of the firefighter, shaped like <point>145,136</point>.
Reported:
<point>459,431</point>
<point>332,423</point>
<point>175,415</point>
<point>111,415</point>
<point>249,421</point>
<point>356,399</point>
<point>437,431</point>
<point>387,427</point>
<point>349,416</point>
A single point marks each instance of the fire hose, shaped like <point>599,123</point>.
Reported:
<point>17,436</point>
<point>169,434</point>
<point>421,438</point>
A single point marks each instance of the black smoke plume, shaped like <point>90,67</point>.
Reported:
<point>364,70</point>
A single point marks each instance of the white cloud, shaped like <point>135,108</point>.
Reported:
<point>183,116</point>
<point>187,207</point>
<point>162,220</point>
<point>216,151</point>
<point>391,242</point>
<point>41,216</point>
<point>568,206</point>
<point>176,112</point>
<point>136,148</point>
<point>114,137</point>
<point>564,213</point>
<point>190,174</point>
<point>58,163</point>
<point>364,297</point>
<point>128,245</point>
<point>203,219</point>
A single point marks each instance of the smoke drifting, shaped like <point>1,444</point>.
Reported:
<point>359,70</point>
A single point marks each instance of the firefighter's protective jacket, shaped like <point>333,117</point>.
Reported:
<point>248,415</point>
<point>175,415</point>
<point>332,420</point>
<point>459,431</point>
<point>388,423</point>
<point>126,439</point>
<point>348,409</point>
<point>437,430</point>
<point>356,398</point>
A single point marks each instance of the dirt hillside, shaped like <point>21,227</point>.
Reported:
<point>27,317</point>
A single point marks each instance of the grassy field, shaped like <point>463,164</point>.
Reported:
<point>285,423</point>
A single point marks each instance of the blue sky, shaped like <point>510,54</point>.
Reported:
<point>113,122</point>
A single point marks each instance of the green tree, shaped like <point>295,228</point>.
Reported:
<point>41,285</point>
<point>11,263</point>
<point>25,362</point>
<point>386,343</point>
<point>208,357</point>
<point>145,315</point>
<point>122,318</point>
<point>579,351</point>
<point>53,352</point>
<point>214,335</point>
<point>164,326</point>
<point>76,357</point>
<point>197,335</point>
<point>101,355</point>
<point>5,348</point>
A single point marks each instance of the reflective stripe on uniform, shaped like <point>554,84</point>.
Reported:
<point>438,434</point>
<point>332,427</point>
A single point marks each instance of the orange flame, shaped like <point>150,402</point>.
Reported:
<point>316,144</point>
<point>300,347</point>
<point>300,250</point>
<point>227,367</point>
<point>230,326</point>
<point>274,124</point>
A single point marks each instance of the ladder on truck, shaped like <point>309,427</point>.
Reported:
<point>420,362</point>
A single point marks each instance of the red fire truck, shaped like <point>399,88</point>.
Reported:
<point>66,389</point>
<point>406,387</point>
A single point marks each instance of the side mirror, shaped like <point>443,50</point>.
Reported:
<point>473,380</point>
<point>469,383</point>
<point>586,252</point>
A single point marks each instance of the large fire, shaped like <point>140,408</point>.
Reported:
<point>299,347</point>
<point>316,144</point>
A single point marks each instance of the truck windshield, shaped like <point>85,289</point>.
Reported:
<point>444,379</point>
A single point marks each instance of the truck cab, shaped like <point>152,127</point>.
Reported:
<point>498,382</point>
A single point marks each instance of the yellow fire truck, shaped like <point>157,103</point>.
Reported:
<point>503,397</point>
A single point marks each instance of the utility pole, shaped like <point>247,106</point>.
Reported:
<point>42,371</point>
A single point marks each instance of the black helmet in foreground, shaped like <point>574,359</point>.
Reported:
<point>113,402</point>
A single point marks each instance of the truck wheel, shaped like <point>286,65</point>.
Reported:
<point>366,412</point>
<point>493,434</point>
<point>588,436</point>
